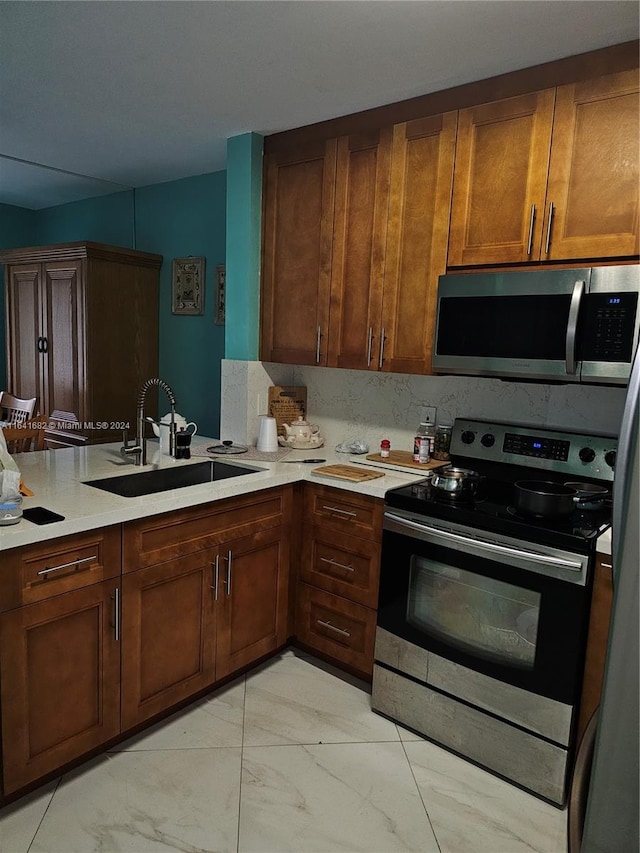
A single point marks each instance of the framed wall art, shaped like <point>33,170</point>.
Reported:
<point>188,286</point>
<point>221,280</point>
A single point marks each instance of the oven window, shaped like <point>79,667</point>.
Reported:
<point>488,618</point>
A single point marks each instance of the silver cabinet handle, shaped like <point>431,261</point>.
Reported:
<point>227,582</point>
<point>606,565</point>
<point>382,340</point>
<point>341,511</point>
<point>216,576</point>
<point>548,243</point>
<point>116,614</point>
<point>531,221</point>
<point>336,563</point>
<point>318,336</point>
<point>331,627</point>
<point>572,327</point>
<point>369,345</point>
<point>48,570</point>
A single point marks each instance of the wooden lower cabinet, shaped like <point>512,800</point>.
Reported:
<point>217,605</point>
<point>168,635</point>
<point>337,594</point>
<point>251,611</point>
<point>597,640</point>
<point>337,628</point>
<point>60,681</point>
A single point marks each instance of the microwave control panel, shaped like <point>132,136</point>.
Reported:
<point>607,328</point>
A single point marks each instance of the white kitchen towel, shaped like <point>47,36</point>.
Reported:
<point>9,473</point>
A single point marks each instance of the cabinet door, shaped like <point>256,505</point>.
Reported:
<point>252,612</point>
<point>64,357</point>
<point>593,178</point>
<point>296,263</point>
<point>502,159</point>
<point>359,237</point>
<point>168,635</point>
<point>25,332</point>
<point>416,251</point>
<point>60,690</point>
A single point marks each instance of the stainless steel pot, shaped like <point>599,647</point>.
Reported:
<point>539,497</point>
<point>456,483</point>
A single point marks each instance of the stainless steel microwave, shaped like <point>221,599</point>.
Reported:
<point>571,325</point>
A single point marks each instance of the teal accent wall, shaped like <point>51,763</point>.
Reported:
<point>179,219</point>
<point>244,217</point>
<point>17,228</point>
<point>105,219</point>
<point>174,219</point>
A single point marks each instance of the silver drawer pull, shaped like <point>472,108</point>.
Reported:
<point>116,614</point>
<point>333,628</point>
<point>341,511</point>
<point>336,563</point>
<point>67,565</point>
<point>606,565</point>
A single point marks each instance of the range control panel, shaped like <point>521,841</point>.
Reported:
<point>576,454</point>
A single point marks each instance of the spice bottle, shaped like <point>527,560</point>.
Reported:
<point>443,442</point>
<point>385,447</point>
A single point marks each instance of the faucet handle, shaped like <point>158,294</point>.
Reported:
<point>125,439</point>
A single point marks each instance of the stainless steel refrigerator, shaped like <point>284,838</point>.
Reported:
<point>612,819</point>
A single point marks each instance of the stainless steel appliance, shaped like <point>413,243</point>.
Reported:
<point>612,798</point>
<point>483,609</point>
<point>573,325</point>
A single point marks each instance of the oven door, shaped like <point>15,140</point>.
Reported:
<point>514,611</point>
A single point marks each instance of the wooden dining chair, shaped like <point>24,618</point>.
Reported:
<point>15,410</point>
<point>21,439</point>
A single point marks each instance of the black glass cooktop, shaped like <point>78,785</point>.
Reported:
<point>493,508</point>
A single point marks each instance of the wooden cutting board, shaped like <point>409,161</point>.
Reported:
<point>405,458</point>
<point>347,472</point>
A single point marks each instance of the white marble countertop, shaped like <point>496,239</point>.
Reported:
<point>57,479</point>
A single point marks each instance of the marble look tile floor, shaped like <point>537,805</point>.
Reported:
<point>287,758</point>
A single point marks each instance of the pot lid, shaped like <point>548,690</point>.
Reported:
<point>227,448</point>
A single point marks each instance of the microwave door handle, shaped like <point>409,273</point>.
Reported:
<point>572,327</point>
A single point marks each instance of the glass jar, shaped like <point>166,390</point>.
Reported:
<point>442,442</point>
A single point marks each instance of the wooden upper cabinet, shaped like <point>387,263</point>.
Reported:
<point>502,158</point>
<point>549,176</point>
<point>593,175</point>
<point>359,237</point>
<point>297,247</point>
<point>416,248</point>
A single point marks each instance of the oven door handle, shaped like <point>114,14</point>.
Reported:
<point>484,545</point>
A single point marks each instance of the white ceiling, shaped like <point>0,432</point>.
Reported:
<point>109,95</point>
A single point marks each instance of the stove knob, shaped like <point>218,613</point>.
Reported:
<point>610,458</point>
<point>587,454</point>
<point>468,437</point>
<point>488,440</point>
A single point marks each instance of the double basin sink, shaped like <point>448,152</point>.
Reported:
<point>163,479</point>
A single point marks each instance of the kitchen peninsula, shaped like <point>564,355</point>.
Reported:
<point>130,607</point>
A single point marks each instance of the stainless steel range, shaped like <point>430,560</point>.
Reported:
<point>484,598</point>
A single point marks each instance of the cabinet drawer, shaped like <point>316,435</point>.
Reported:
<point>349,512</point>
<point>336,627</point>
<point>148,541</point>
<point>50,568</point>
<point>342,564</point>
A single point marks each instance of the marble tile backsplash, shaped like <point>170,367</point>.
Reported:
<point>352,404</point>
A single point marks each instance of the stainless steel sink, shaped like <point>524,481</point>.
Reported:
<point>164,479</point>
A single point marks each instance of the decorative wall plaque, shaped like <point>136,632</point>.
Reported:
<point>188,286</point>
<point>221,280</point>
